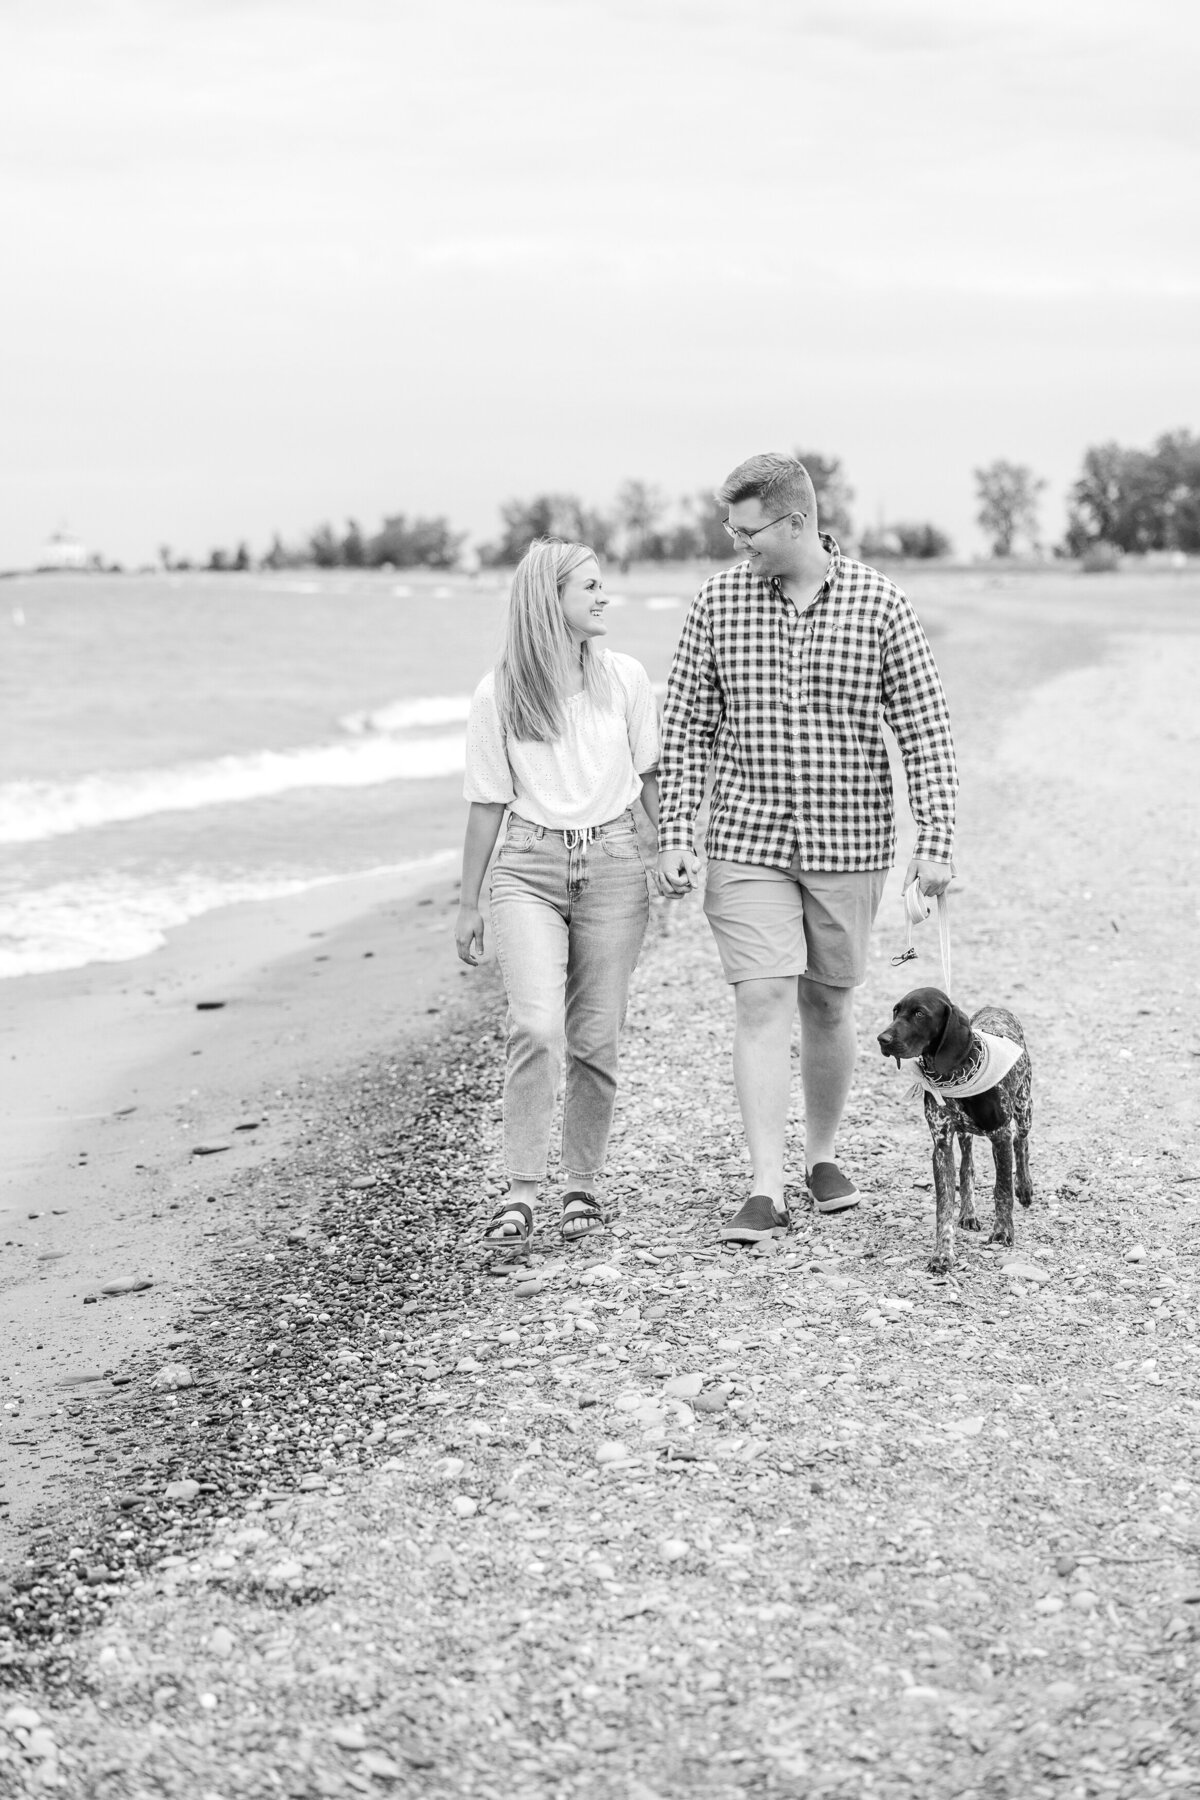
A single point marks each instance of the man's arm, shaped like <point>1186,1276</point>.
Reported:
<point>914,705</point>
<point>691,718</point>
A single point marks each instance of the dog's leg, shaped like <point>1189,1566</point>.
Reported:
<point>968,1218</point>
<point>943,1183</point>
<point>1002,1152</point>
<point>1024,1179</point>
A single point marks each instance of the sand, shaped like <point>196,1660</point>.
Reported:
<point>941,1534</point>
<point>117,1075</point>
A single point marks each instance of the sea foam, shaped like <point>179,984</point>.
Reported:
<point>378,747</point>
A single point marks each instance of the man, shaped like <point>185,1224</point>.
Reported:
<point>787,666</point>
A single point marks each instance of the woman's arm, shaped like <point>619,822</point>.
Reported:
<point>483,828</point>
<point>649,796</point>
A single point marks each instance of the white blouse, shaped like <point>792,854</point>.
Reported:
<point>588,775</point>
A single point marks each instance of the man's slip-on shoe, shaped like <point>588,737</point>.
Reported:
<point>831,1191</point>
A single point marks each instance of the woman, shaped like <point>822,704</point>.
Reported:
<point>565,734</point>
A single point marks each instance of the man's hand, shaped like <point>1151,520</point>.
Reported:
<point>468,930</point>
<point>934,877</point>
<point>678,870</point>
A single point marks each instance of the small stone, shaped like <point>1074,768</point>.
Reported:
<point>684,1387</point>
<point>451,1467</point>
<point>207,1701</point>
<point>21,1718</point>
<point>1136,1254</point>
<point>310,1484</point>
<point>610,1450</point>
<point>288,1570</point>
<point>349,1735</point>
<point>1024,1271</point>
<point>603,1571</point>
<point>221,1641</point>
<point>40,1744</point>
<point>464,1506</point>
<point>362,1182</point>
<point>1061,1692</point>
<point>715,1401</point>
<point>965,1427</point>
<point>658,1311</point>
<point>1049,1603</point>
<point>1084,1600</point>
<point>531,1284</point>
<point>649,1416</point>
<point>373,1762</point>
<point>209,1149</point>
<point>126,1284</point>
<point>182,1490</point>
<point>1065,1565</point>
<point>174,1375</point>
<point>674,1549</point>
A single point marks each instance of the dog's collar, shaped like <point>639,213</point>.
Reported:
<point>988,1062</point>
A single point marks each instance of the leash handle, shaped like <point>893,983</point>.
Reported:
<point>916,911</point>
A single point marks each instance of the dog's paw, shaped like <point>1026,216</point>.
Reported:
<point>1026,1198</point>
<point>939,1265</point>
<point>1002,1235</point>
<point>971,1224</point>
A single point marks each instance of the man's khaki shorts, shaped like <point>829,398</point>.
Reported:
<point>813,922</point>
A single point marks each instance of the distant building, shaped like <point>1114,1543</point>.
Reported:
<point>62,550</point>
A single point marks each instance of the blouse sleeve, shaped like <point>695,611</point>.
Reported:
<point>488,780</point>
<point>641,718</point>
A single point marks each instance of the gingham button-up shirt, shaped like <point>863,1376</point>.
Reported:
<point>789,707</point>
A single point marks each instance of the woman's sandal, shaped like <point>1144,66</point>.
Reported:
<point>585,1211</point>
<point>508,1231</point>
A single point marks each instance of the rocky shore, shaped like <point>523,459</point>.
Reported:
<point>658,1519</point>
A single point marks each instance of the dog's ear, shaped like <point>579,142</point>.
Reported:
<point>953,1040</point>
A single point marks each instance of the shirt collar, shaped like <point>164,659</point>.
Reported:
<point>831,574</point>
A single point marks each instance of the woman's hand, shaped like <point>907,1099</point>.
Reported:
<point>468,931</point>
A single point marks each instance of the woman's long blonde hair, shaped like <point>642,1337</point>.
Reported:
<point>539,652</point>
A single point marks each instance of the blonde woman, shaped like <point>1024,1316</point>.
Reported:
<point>563,735</point>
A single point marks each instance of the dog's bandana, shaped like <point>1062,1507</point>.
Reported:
<point>983,1070</point>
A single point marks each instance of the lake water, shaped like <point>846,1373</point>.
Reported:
<point>170,744</point>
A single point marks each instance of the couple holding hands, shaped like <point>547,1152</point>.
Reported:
<point>788,664</point>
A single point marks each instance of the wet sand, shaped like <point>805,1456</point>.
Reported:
<point>118,1078</point>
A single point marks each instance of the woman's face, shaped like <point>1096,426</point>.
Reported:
<point>583,601</point>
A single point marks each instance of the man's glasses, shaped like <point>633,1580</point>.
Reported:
<point>747,537</point>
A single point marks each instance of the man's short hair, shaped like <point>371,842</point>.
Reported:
<point>779,483</point>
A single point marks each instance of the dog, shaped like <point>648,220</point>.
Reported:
<point>953,1052</point>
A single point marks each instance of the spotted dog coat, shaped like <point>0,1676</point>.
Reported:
<point>927,1025</point>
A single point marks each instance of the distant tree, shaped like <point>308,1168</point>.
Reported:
<point>1138,500</point>
<point>164,556</point>
<point>241,559</point>
<point>833,491</point>
<point>546,515</point>
<point>639,507</point>
<point>922,541</point>
<point>423,543</point>
<point>218,561</point>
<point>276,557</point>
<point>1008,504</point>
<point>324,548</point>
<point>354,550</point>
<point>706,518</point>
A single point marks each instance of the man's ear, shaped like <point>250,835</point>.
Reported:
<point>953,1041</point>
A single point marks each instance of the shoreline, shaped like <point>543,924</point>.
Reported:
<point>119,1077</point>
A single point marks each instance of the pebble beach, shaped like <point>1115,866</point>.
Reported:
<point>347,1512</point>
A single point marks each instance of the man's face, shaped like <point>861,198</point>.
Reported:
<point>771,549</point>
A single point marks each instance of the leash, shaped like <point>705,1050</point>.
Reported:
<point>916,911</point>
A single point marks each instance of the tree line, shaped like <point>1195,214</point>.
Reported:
<point>1125,500</point>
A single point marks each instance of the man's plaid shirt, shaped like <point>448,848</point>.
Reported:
<point>789,707</point>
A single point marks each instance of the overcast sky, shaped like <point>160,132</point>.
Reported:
<point>268,262</point>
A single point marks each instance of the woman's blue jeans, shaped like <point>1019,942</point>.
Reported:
<point>568,920</point>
